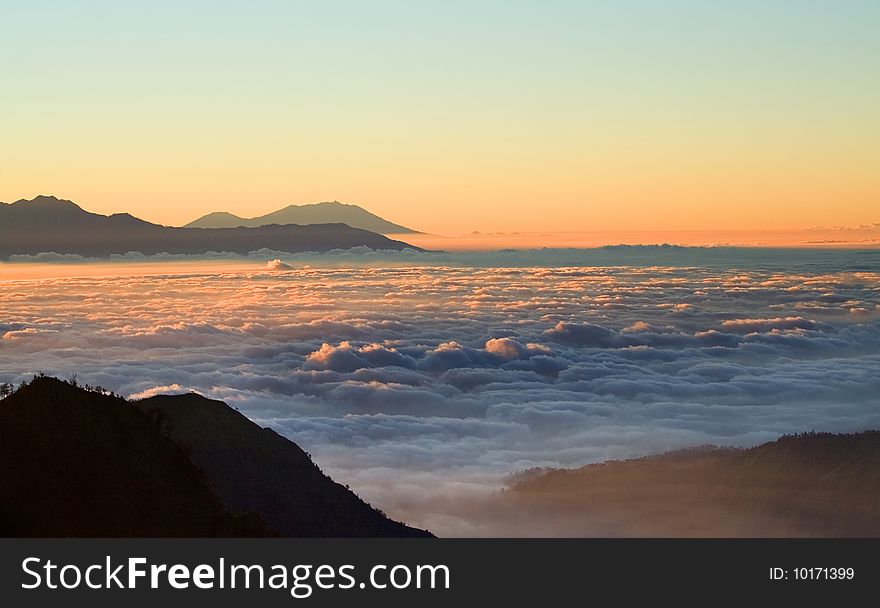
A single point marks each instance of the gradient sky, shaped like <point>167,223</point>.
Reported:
<point>450,116</point>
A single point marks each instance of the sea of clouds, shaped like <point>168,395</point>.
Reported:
<point>422,385</point>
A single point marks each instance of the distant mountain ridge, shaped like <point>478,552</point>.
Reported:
<point>316,213</point>
<point>50,224</point>
<point>81,463</point>
<point>811,484</point>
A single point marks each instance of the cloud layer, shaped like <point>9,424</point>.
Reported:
<point>422,386</point>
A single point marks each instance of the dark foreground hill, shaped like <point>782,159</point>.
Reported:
<point>75,462</point>
<point>815,484</point>
<point>253,469</point>
<point>317,213</point>
<point>48,224</point>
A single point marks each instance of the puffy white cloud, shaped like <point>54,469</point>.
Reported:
<point>766,325</point>
<point>508,348</point>
<point>170,389</point>
<point>277,264</point>
<point>348,358</point>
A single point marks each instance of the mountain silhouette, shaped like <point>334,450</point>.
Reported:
<point>812,484</point>
<point>253,469</point>
<point>317,213</point>
<point>76,462</point>
<point>49,224</point>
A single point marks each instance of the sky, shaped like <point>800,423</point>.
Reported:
<point>450,116</point>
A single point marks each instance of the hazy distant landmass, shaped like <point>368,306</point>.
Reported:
<point>49,224</point>
<point>813,484</point>
<point>81,463</point>
<point>318,213</point>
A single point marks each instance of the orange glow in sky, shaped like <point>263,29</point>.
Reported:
<point>450,117</point>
